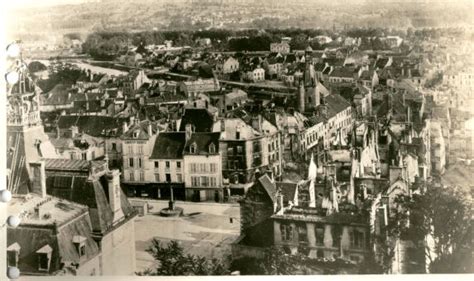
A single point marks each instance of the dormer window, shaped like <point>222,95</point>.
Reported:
<point>136,134</point>
<point>44,258</point>
<point>13,254</point>
<point>212,148</point>
<point>80,244</point>
<point>192,148</point>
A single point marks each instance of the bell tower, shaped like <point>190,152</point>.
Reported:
<point>26,139</point>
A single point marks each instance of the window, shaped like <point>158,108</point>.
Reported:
<point>157,165</point>
<point>157,177</point>
<point>168,177</point>
<point>193,167</point>
<point>203,168</point>
<point>167,164</point>
<point>140,149</point>
<point>302,234</point>
<point>237,134</point>
<point>132,176</point>
<point>205,181</point>
<point>286,232</point>
<point>336,235</point>
<point>195,181</point>
<point>319,235</point>
<point>130,162</point>
<point>13,253</point>
<point>179,177</point>
<point>84,156</point>
<point>178,165</point>
<point>357,239</point>
<point>192,148</point>
<point>213,167</point>
<point>43,262</point>
<point>212,148</point>
<point>114,146</point>
<point>213,181</point>
<point>230,151</point>
<point>139,162</point>
<point>269,147</point>
<point>142,176</point>
<point>130,149</point>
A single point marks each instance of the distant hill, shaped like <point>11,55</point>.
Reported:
<point>139,15</point>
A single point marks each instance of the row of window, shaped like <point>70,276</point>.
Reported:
<point>167,178</point>
<point>199,168</point>
<point>168,164</point>
<point>203,181</point>
<point>131,150</point>
<point>356,237</point>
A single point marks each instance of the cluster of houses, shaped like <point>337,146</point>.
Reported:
<point>361,120</point>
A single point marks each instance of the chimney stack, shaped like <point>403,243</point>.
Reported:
<point>188,131</point>
<point>150,129</point>
<point>124,127</point>
<point>113,181</point>
<point>38,178</point>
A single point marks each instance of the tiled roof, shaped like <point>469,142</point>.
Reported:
<point>169,145</point>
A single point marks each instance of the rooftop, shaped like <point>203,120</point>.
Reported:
<point>51,209</point>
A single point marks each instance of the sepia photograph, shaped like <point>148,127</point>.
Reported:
<point>237,137</point>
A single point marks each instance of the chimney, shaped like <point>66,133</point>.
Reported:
<point>38,178</point>
<point>188,131</point>
<point>222,121</point>
<point>113,182</point>
<point>74,131</point>
<point>150,129</point>
<point>124,127</point>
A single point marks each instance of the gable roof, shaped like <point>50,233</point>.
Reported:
<point>169,145</point>
<point>269,186</point>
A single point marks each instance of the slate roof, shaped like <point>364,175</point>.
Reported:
<point>45,234</point>
<point>60,95</point>
<point>89,191</point>
<point>335,104</point>
<point>169,145</point>
<point>199,118</point>
<point>269,186</point>
<point>142,129</point>
<point>288,189</point>
<point>203,141</point>
<point>90,124</point>
<point>342,72</point>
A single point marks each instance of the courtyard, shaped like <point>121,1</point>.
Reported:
<point>205,229</point>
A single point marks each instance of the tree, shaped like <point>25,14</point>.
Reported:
<point>276,261</point>
<point>172,261</point>
<point>443,215</point>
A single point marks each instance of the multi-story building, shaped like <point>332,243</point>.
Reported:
<point>282,48</point>
<point>137,146</point>
<point>227,65</point>
<point>248,149</point>
<point>203,164</point>
<point>76,219</point>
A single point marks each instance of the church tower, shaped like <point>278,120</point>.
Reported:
<point>26,140</point>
